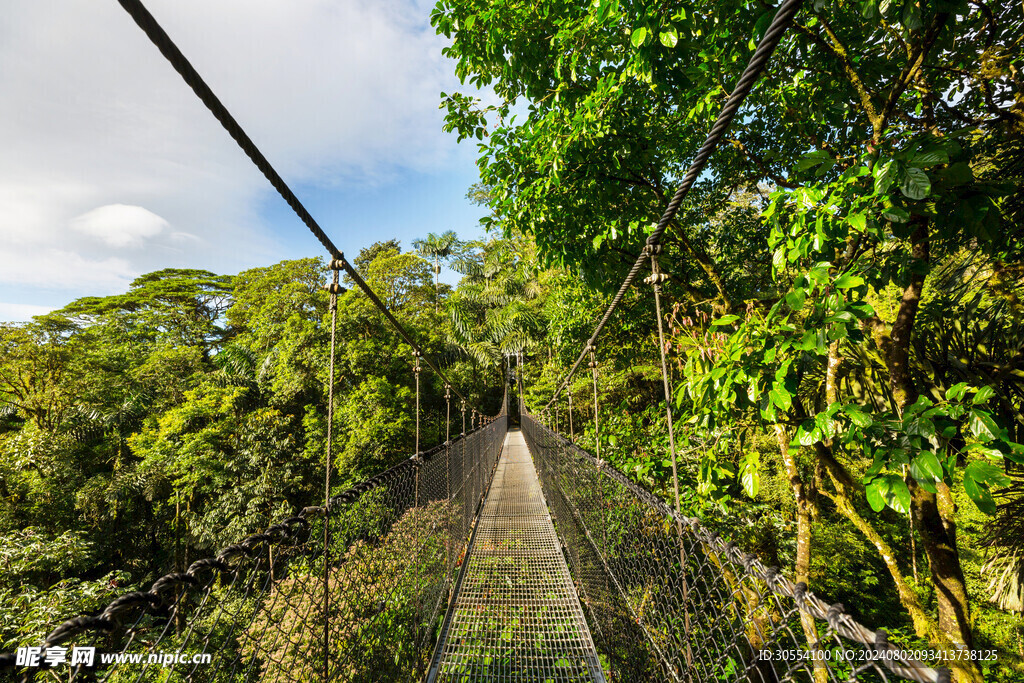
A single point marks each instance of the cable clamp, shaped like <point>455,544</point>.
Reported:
<point>337,264</point>
<point>335,288</point>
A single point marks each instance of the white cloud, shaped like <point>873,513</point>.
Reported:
<point>21,312</point>
<point>119,225</point>
<point>333,92</point>
<point>54,268</point>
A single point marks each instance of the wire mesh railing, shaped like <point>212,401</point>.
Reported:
<point>669,600</point>
<point>266,610</point>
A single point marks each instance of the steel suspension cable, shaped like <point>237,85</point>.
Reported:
<point>772,37</point>
<point>177,59</point>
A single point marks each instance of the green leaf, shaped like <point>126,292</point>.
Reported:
<point>639,36</point>
<point>858,221</point>
<point>669,38</point>
<point>916,184</point>
<point>983,426</point>
<point>884,176</point>
<point>750,476</point>
<point>781,397</point>
<point>819,272</point>
<point>825,425</point>
<point>926,159</point>
<point>811,160</point>
<point>857,416</point>
<point>805,433</point>
<point>929,464</point>
<point>725,320</point>
<point>795,299</point>
<point>604,9</point>
<point>847,281</point>
<point>979,493</point>
<point>779,259</point>
<point>875,491</point>
<point>986,472</point>
<point>956,392</point>
<point>984,394</point>
<point>896,215</point>
<point>918,426</point>
<point>840,316</point>
<point>898,496</point>
<point>924,480</point>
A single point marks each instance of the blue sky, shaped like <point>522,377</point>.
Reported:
<point>112,168</point>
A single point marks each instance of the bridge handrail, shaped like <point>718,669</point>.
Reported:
<point>834,615</point>
<point>169,593</point>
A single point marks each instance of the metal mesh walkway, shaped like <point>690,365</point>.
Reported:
<point>516,616</point>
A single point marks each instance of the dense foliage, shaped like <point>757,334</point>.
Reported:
<point>843,311</point>
<point>845,277</point>
<point>142,431</point>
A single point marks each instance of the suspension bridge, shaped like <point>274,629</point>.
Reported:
<point>505,553</point>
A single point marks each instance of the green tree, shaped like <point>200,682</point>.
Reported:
<point>440,248</point>
<point>884,128</point>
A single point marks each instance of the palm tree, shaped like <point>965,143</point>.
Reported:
<point>496,310</point>
<point>439,247</point>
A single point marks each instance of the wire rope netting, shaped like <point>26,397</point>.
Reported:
<point>256,611</point>
<point>669,600</point>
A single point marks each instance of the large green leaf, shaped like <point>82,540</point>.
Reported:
<point>956,392</point>
<point>983,426</point>
<point>876,490</point>
<point>750,476</point>
<point>898,496</point>
<point>915,184</point>
<point>781,397</point>
<point>984,394</point>
<point>858,416</point>
<point>986,472</point>
<point>847,281</point>
<point>885,174</point>
<point>929,464</point>
<point>980,494</point>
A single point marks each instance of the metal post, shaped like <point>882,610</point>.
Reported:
<point>416,371</point>
<point>655,280</point>
<point>448,481</point>
<point>334,289</point>
<point>519,384</point>
<point>597,426</point>
<point>447,413</point>
<point>572,432</point>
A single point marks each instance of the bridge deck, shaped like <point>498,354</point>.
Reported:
<point>516,616</point>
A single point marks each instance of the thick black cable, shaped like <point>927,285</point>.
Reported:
<point>772,37</point>
<point>170,51</point>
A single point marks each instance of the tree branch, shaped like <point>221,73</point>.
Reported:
<point>774,177</point>
<point>839,51</point>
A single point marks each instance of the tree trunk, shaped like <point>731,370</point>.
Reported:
<point>937,531</point>
<point>944,561</point>
<point>924,625</point>
<point>802,570</point>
